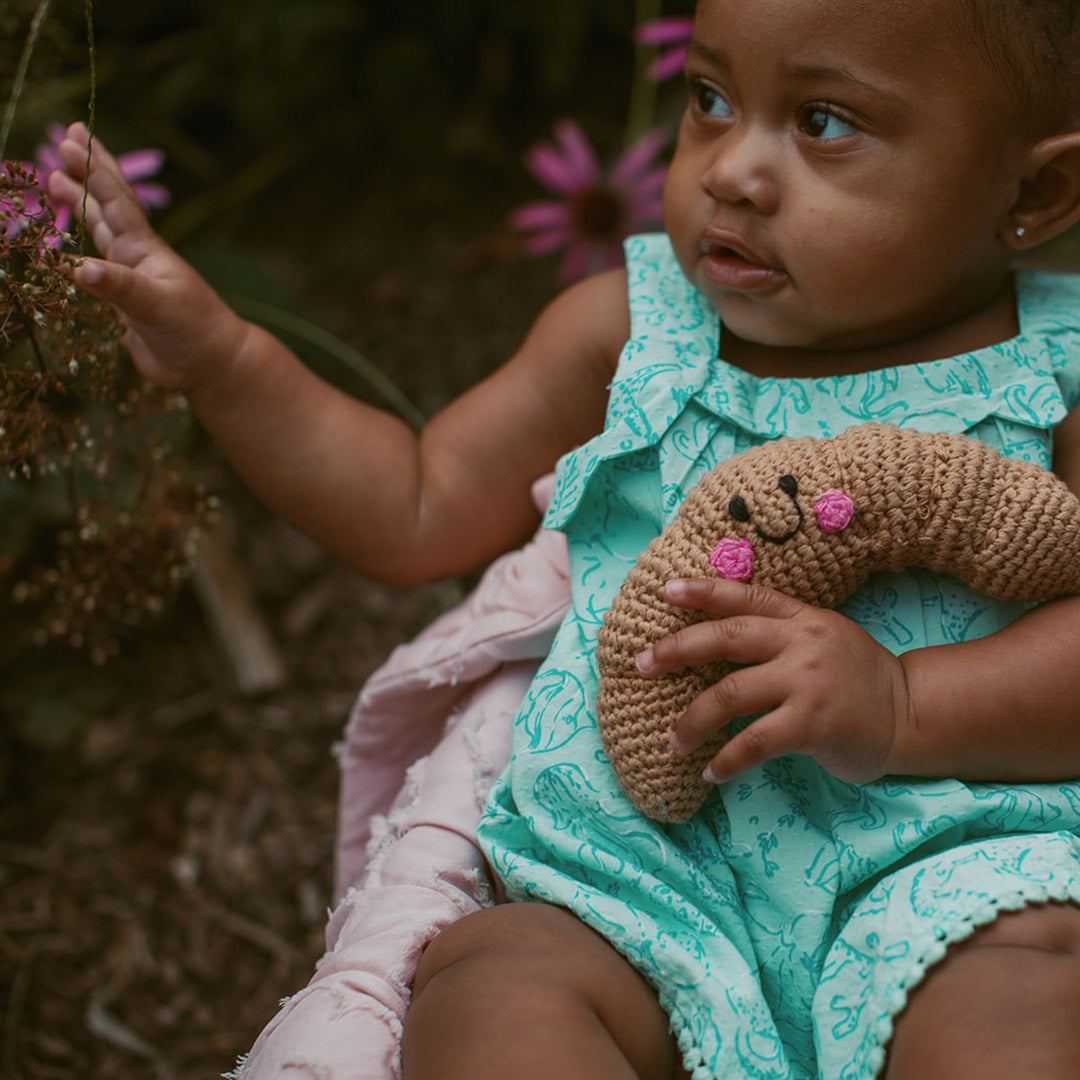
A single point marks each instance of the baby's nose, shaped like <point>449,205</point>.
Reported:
<point>742,168</point>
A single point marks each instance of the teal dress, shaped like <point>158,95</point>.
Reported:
<point>785,924</point>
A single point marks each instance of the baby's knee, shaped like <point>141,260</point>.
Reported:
<point>1002,1003</point>
<point>1033,955</point>
<point>538,949</point>
<point>1028,961</point>
<point>1053,929</point>
<point>527,967</point>
<point>507,935</point>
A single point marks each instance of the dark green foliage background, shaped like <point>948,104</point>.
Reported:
<point>240,92</point>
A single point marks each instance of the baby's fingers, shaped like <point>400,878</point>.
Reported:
<point>115,202</point>
<point>105,172</point>
<point>721,597</point>
<point>740,693</point>
<point>745,639</point>
<point>64,189</point>
<point>134,294</point>
<point>770,736</point>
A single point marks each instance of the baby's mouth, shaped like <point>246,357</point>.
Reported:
<point>723,251</point>
<point>733,265</point>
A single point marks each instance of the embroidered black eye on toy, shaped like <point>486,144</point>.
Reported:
<point>882,498</point>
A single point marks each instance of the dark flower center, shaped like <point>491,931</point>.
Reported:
<point>599,213</point>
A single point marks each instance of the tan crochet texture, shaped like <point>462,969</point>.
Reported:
<point>946,502</point>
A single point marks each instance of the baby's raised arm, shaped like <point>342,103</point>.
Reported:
<point>396,506</point>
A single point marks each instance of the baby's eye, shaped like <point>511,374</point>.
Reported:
<point>708,100</point>
<point>824,122</point>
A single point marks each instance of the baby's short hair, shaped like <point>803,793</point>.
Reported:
<point>1036,46</point>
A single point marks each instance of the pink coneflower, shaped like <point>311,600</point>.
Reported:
<point>136,166</point>
<point>597,212</point>
<point>674,32</point>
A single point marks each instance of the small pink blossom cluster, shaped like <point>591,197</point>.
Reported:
<point>90,458</point>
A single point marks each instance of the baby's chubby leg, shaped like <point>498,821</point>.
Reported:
<point>1004,1004</point>
<point>528,990</point>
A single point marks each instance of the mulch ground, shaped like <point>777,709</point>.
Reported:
<point>164,877</point>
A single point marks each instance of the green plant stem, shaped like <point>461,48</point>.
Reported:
<point>20,74</point>
<point>35,345</point>
<point>641,112</point>
<point>299,327</point>
<point>91,48</point>
<point>91,119</point>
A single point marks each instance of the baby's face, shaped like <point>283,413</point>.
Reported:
<point>842,174</point>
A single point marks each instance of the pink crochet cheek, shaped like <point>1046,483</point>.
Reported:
<point>733,559</point>
<point>834,511</point>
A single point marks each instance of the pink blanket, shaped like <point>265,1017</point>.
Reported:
<point>429,734</point>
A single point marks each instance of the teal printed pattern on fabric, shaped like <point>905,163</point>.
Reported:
<point>784,925</point>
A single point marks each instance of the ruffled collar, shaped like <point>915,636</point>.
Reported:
<point>673,358</point>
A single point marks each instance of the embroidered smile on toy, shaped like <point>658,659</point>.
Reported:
<point>813,518</point>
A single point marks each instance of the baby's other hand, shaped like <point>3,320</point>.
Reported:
<point>826,688</point>
<point>178,330</point>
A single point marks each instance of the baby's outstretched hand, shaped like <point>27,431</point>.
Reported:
<point>178,329</point>
<point>825,687</point>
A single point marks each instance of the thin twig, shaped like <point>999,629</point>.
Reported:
<point>105,1026</point>
<point>20,74</point>
<point>39,353</point>
<point>91,120</point>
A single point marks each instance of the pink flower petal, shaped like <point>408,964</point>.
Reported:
<point>667,65</point>
<point>631,165</point>
<point>665,31</point>
<point>548,166</point>
<point>541,215</point>
<point>150,193</point>
<point>577,152</point>
<point>649,187</point>
<point>542,243</point>
<point>139,163</point>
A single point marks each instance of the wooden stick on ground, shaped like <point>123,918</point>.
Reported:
<point>229,607</point>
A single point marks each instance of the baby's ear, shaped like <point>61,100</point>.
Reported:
<point>1048,198</point>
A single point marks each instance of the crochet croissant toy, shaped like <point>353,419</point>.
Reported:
<point>813,518</point>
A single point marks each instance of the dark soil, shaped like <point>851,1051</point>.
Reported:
<point>164,877</point>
